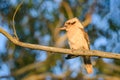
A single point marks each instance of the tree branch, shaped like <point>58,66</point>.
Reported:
<point>14,30</point>
<point>28,68</point>
<point>61,50</point>
<point>43,76</point>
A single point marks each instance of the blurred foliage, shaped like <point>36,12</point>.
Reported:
<point>37,21</point>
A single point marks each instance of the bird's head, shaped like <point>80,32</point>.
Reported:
<point>71,23</point>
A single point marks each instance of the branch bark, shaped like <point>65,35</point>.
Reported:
<point>61,50</point>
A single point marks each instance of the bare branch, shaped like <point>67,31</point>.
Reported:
<point>14,30</point>
<point>28,68</point>
<point>68,9</point>
<point>87,20</point>
<point>43,76</point>
<point>61,50</point>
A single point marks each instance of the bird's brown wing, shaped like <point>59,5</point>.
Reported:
<point>86,59</point>
<point>86,37</point>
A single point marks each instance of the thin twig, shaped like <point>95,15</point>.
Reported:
<point>14,30</point>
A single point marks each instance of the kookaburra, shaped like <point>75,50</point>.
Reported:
<point>78,39</point>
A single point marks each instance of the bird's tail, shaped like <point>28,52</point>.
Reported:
<point>88,65</point>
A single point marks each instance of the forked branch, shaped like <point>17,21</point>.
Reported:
<point>61,50</point>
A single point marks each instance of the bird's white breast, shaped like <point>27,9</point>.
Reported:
<point>76,38</point>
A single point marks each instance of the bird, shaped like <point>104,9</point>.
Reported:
<point>78,39</point>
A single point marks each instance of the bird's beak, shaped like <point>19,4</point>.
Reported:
<point>63,28</point>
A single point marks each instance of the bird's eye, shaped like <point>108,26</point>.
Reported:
<point>73,22</point>
<point>68,23</point>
